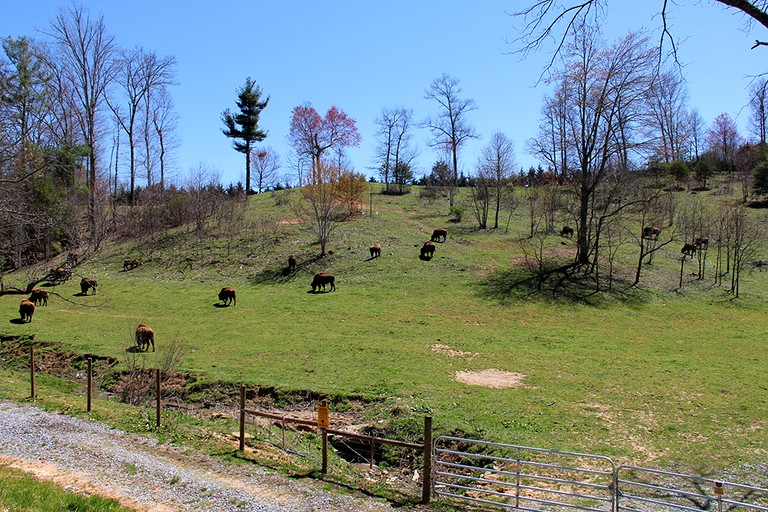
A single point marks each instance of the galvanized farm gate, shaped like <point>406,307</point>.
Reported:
<point>642,489</point>
<point>535,479</point>
<point>522,478</point>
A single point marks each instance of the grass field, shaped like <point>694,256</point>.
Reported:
<point>652,376</point>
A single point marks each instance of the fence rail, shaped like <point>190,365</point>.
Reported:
<point>324,430</point>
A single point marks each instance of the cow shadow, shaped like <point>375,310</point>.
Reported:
<point>220,305</point>
<point>424,257</point>
<point>17,321</point>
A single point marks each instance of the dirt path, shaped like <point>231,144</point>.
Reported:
<point>89,457</point>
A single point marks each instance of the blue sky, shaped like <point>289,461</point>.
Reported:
<point>362,56</point>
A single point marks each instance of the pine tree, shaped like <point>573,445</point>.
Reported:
<point>243,127</point>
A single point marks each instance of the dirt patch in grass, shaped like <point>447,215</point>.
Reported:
<point>492,378</point>
<point>448,351</point>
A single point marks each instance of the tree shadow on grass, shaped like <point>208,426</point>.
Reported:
<point>284,274</point>
<point>564,283</point>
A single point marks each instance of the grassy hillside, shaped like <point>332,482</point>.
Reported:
<point>650,376</point>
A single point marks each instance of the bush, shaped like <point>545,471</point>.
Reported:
<point>760,177</point>
<point>457,211</point>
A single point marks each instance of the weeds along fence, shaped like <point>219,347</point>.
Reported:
<point>312,440</point>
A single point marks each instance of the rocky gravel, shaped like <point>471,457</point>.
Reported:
<point>89,457</point>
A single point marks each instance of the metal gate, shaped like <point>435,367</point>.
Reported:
<point>521,477</point>
<point>642,489</point>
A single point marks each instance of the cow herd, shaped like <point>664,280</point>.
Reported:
<point>652,233</point>
<point>144,335</point>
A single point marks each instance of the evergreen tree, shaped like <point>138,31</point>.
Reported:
<point>243,127</point>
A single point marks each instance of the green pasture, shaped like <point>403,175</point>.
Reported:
<point>654,376</point>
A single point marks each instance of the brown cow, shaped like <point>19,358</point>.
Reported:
<point>651,232</point>
<point>567,231</point>
<point>144,336</point>
<point>58,274</point>
<point>375,250</point>
<point>701,243</point>
<point>688,250</point>
<point>322,279</point>
<point>428,250</point>
<point>26,310</point>
<point>39,297</point>
<point>438,234</point>
<point>227,296</point>
<point>87,284</point>
<point>130,263</point>
<point>291,263</point>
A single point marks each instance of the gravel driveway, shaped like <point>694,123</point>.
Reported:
<point>89,457</point>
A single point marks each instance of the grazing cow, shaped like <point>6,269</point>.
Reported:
<point>291,263</point>
<point>227,296</point>
<point>87,284</point>
<point>39,297</point>
<point>144,336</point>
<point>438,234</point>
<point>375,250</point>
<point>428,250</point>
<point>130,263</point>
<point>58,274</point>
<point>688,250</point>
<point>651,232</point>
<point>567,231</point>
<point>322,279</point>
<point>701,243</point>
<point>26,310</point>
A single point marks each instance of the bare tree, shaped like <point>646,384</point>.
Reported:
<point>606,86</point>
<point>450,128</point>
<point>129,78</point>
<point>164,121</point>
<point>552,146</point>
<point>85,52</point>
<point>758,107</point>
<point>545,20</point>
<point>494,170</point>
<point>394,148</point>
<point>265,165</point>
<point>158,74</point>
<point>667,98</point>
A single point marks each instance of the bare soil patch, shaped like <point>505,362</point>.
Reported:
<point>492,378</point>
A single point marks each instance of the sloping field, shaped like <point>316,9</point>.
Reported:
<point>650,376</point>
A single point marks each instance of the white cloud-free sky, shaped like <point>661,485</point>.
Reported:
<point>362,56</point>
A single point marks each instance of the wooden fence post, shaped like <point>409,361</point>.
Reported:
<point>90,381</point>
<point>157,393</point>
<point>32,372</point>
<point>242,419</point>
<point>426,479</point>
